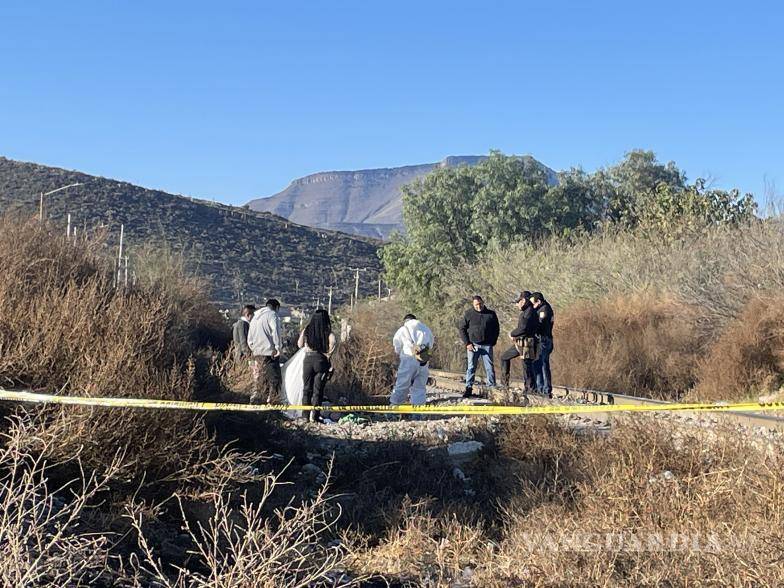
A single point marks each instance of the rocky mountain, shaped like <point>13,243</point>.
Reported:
<point>246,255</point>
<point>365,202</point>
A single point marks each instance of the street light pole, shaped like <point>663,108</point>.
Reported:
<point>41,203</point>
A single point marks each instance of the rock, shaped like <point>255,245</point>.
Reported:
<point>665,476</point>
<point>461,452</point>
<point>312,472</point>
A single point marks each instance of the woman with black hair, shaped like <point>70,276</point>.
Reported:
<point>319,343</point>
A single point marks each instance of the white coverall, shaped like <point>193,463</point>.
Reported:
<point>411,377</point>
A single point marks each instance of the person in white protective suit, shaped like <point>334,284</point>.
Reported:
<point>413,342</point>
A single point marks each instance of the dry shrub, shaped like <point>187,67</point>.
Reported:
<point>41,533</point>
<point>648,507</point>
<point>65,328</point>
<point>239,546</point>
<point>365,364</point>
<point>748,357</point>
<point>423,548</point>
<point>636,344</point>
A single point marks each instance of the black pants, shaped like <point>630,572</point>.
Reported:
<point>314,372</point>
<point>268,388</point>
<point>528,369</point>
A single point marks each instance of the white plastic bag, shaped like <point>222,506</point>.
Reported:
<point>293,382</point>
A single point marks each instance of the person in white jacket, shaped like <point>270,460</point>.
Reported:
<point>412,373</point>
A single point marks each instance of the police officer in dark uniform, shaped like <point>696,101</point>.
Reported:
<point>527,326</point>
<point>544,314</point>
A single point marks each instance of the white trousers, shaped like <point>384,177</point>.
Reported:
<point>411,381</point>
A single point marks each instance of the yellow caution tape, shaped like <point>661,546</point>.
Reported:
<point>459,409</point>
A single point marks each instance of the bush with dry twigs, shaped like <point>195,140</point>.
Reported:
<point>65,327</point>
<point>43,537</point>
<point>638,343</point>
<point>365,364</point>
<point>747,359</point>
<point>240,546</point>
<point>647,506</point>
<point>650,306</point>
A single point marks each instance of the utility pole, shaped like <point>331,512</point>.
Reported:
<point>68,227</point>
<point>379,288</point>
<point>356,282</point>
<point>329,303</point>
<point>120,254</point>
<point>126,271</point>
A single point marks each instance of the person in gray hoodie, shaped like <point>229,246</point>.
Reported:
<point>266,344</point>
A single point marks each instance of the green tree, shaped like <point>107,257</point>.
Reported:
<point>454,213</point>
<point>675,213</point>
<point>628,186</point>
<point>438,213</point>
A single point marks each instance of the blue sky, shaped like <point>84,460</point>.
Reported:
<point>232,100</point>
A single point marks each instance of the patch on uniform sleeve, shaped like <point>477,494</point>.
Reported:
<point>543,315</point>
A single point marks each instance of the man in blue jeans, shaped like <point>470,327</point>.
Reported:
<point>479,331</point>
<point>545,317</point>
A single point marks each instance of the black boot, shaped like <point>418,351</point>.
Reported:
<point>469,392</point>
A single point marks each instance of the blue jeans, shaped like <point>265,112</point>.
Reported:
<point>486,352</point>
<point>544,381</point>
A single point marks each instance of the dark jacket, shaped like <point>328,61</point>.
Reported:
<point>527,323</point>
<point>480,328</point>
<point>545,317</point>
<point>240,337</point>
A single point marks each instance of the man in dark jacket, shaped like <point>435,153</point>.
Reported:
<point>479,331</point>
<point>240,334</point>
<point>544,316</point>
<point>526,328</point>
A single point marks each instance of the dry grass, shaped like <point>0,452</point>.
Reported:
<point>365,364</point>
<point>644,507</point>
<point>65,328</point>
<point>421,548</point>
<point>747,360</point>
<point>646,482</point>
<point>240,546</point>
<point>42,534</point>
<point>549,508</point>
<point>635,344</point>
<point>632,312</point>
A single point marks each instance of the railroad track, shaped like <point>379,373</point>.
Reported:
<point>572,395</point>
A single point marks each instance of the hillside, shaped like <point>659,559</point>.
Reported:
<point>238,250</point>
<point>365,202</point>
